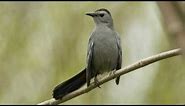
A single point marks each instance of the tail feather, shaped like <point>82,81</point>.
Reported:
<point>70,85</point>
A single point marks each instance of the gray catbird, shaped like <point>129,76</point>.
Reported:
<point>104,54</point>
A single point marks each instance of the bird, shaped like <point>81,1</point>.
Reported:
<point>104,54</point>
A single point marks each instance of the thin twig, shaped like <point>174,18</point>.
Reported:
<point>122,71</point>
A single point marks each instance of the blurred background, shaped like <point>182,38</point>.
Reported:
<point>45,43</point>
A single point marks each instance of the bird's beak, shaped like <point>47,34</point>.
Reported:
<point>92,14</point>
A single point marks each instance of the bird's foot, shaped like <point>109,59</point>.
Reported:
<point>112,72</point>
<point>96,82</point>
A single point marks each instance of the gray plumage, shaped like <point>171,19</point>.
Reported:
<point>104,47</point>
<point>104,55</point>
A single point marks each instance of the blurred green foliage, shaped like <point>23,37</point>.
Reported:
<point>45,43</point>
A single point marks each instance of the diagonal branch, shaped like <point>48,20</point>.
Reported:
<point>122,71</point>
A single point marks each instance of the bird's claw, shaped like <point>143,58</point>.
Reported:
<point>96,82</point>
<point>112,72</point>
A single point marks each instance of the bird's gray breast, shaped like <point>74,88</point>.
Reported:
<point>105,52</point>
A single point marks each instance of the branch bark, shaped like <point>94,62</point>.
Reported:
<point>122,71</point>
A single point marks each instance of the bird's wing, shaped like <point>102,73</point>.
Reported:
<point>119,53</point>
<point>89,61</point>
<point>119,60</point>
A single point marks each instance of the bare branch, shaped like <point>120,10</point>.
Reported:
<point>122,71</point>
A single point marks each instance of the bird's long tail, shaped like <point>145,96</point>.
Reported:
<point>70,85</point>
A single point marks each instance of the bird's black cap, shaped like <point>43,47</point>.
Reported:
<point>103,9</point>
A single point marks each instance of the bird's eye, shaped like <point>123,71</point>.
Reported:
<point>101,15</point>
